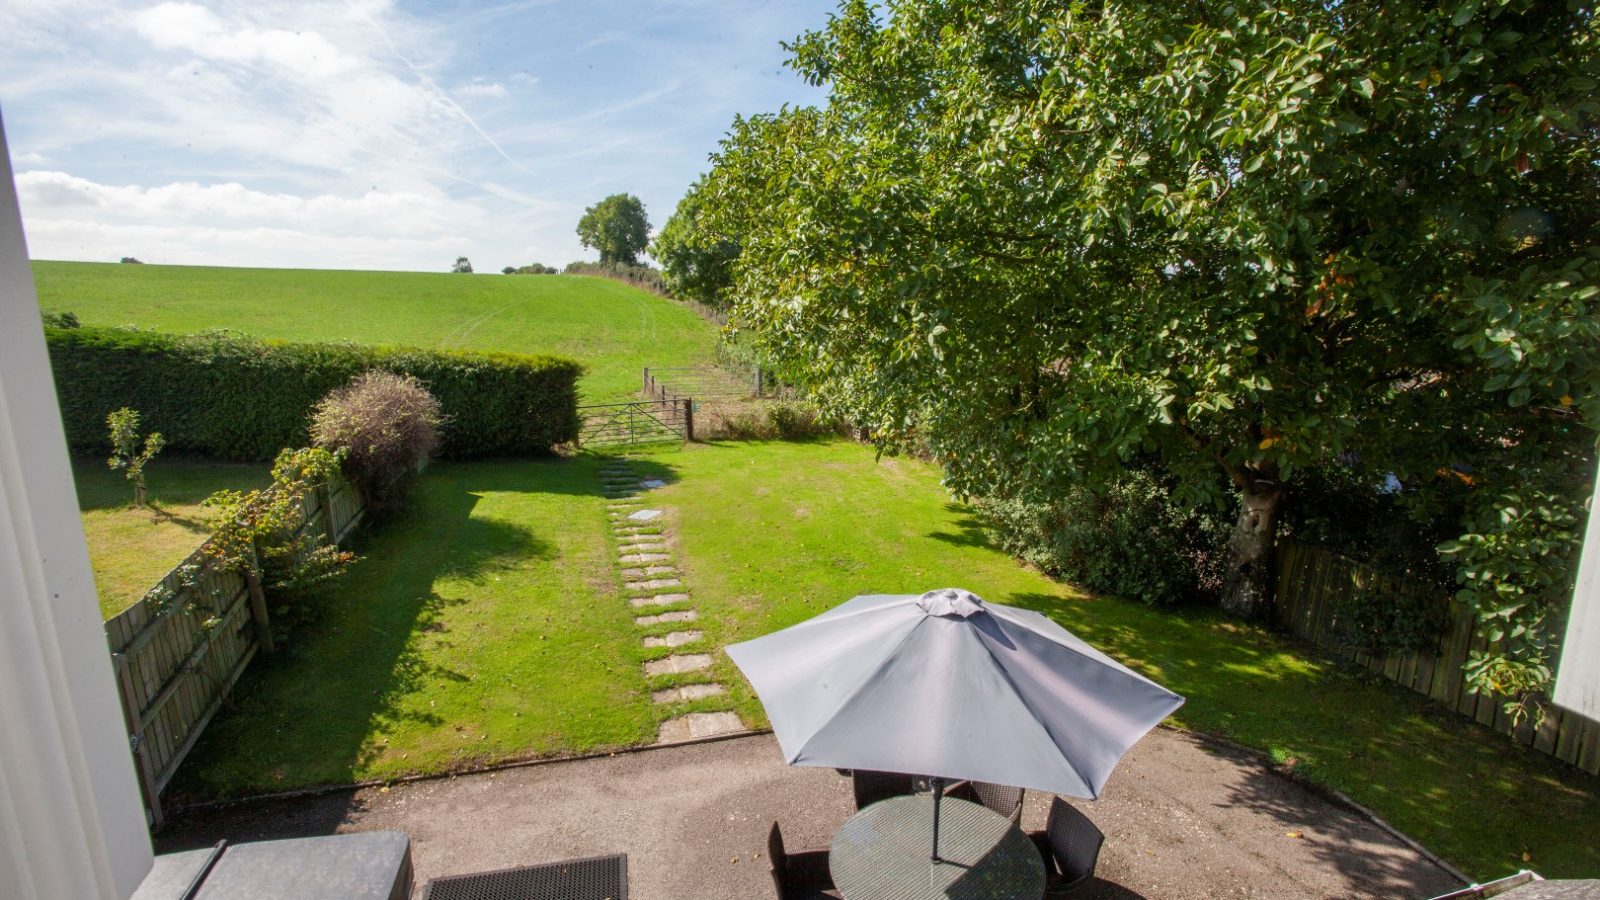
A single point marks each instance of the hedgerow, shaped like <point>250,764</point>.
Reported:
<point>229,396</point>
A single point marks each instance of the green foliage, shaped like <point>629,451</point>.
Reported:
<point>259,530</point>
<point>231,397</point>
<point>1127,538</point>
<point>126,455</point>
<point>760,420</point>
<point>617,227</point>
<point>385,426</point>
<point>131,260</point>
<point>1044,240</point>
<point>697,263</point>
<point>59,319</point>
<point>638,275</point>
<point>463,266</point>
<point>532,269</point>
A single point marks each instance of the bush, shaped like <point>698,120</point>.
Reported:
<point>1127,539</point>
<point>642,277</point>
<point>228,396</point>
<point>759,420</point>
<point>532,269</point>
<point>60,319</point>
<point>387,425</point>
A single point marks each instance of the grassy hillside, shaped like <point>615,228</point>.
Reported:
<point>614,330</point>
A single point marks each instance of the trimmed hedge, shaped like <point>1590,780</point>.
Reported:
<point>229,396</point>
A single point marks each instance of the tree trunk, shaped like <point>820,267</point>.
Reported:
<point>1249,589</point>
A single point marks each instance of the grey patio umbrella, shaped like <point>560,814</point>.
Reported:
<point>948,686</point>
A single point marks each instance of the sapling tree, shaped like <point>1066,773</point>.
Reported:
<point>126,454</point>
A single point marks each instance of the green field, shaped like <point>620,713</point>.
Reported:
<point>613,329</point>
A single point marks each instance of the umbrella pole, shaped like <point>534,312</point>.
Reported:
<point>938,793</point>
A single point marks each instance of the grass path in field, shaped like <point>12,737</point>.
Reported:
<point>770,534</point>
<point>486,622</point>
<point>613,329</point>
<point>131,548</point>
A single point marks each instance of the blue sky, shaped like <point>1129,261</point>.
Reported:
<point>371,134</point>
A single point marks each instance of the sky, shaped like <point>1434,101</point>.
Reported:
<point>371,134</point>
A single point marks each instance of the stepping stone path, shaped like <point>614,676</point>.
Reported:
<point>657,594</point>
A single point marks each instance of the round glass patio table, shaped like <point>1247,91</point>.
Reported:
<point>882,853</point>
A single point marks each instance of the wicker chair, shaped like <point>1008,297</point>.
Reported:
<point>798,876</point>
<point>1007,801</point>
<point>1070,846</point>
<point>870,787</point>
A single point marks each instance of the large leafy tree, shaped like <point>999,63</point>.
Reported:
<point>697,262</point>
<point>617,227</point>
<point>1046,239</point>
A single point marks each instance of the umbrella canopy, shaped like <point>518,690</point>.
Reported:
<point>946,685</point>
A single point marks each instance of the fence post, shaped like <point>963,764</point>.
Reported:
<point>758,382</point>
<point>136,741</point>
<point>688,419</point>
<point>258,604</point>
<point>330,529</point>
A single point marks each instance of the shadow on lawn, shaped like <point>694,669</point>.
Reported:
<point>310,713</point>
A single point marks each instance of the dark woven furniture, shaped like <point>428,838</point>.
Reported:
<point>802,875</point>
<point>870,787</point>
<point>882,853</point>
<point>1007,801</point>
<point>595,878</point>
<point>1070,846</point>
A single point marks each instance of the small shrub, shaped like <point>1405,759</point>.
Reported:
<point>126,454</point>
<point>758,420</point>
<point>387,426</point>
<point>60,319</point>
<point>1127,538</point>
<point>642,277</point>
<point>131,261</point>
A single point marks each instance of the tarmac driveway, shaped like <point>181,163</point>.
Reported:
<point>1183,818</point>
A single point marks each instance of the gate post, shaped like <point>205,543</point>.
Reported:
<point>688,419</point>
<point>758,382</point>
<point>647,380</point>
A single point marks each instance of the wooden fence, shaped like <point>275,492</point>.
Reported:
<point>700,382</point>
<point>178,652</point>
<point>636,422</point>
<point>1316,586</point>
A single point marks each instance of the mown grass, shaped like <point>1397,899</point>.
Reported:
<point>131,548</point>
<point>770,534</point>
<point>613,329</point>
<point>486,622</point>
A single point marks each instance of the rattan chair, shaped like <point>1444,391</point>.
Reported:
<point>870,787</point>
<point>1007,801</point>
<point>798,876</point>
<point>1070,846</point>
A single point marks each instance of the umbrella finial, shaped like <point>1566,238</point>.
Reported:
<point>951,602</point>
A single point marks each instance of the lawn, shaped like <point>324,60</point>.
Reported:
<point>485,622</point>
<point>131,548</point>
<point>770,534</point>
<point>613,329</point>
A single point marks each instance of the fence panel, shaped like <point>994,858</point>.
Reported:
<point>1315,586</point>
<point>637,422</point>
<point>178,652</point>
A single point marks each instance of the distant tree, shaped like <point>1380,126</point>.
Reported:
<point>534,269</point>
<point>697,262</point>
<point>129,259</point>
<point>463,266</point>
<point>508,270</point>
<point>617,227</point>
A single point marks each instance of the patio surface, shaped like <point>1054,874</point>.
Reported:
<point>1183,818</point>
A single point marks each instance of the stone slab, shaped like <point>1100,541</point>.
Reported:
<point>677,664</point>
<point>688,692</point>
<point>644,557</point>
<point>698,725</point>
<point>682,615</point>
<point>658,600</point>
<point>652,483</point>
<point>645,515</point>
<point>675,639</point>
<point>654,584</point>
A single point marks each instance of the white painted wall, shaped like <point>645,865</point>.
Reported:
<point>1578,678</point>
<point>71,823</point>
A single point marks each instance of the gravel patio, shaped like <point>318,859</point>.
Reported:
<point>1183,817</point>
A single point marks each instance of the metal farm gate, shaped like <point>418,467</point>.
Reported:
<point>636,422</point>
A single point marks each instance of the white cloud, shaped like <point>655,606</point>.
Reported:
<point>483,89</point>
<point>29,159</point>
